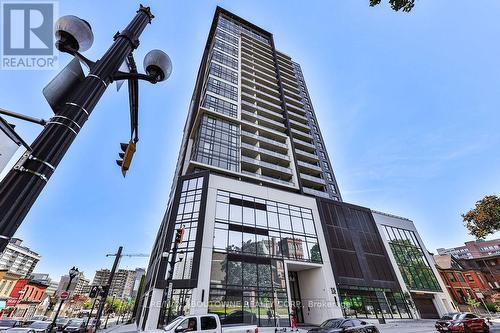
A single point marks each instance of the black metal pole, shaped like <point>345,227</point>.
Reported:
<point>22,185</point>
<point>62,301</point>
<point>90,314</point>
<point>110,280</point>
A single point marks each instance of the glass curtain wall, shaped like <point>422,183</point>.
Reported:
<point>252,237</point>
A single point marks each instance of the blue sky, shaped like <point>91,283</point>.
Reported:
<point>408,105</point>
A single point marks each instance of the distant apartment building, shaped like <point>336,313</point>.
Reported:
<point>45,279</point>
<point>79,286</point>
<point>474,249</point>
<point>18,259</point>
<point>488,266</point>
<point>139,273</point>
<point>122,285</point>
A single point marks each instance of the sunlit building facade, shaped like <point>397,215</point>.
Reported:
<point>266,232</point>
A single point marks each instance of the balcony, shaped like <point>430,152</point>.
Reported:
<point>262,87</point>
<point>296,116</point>
<point>269,113</point>
<point>301,135</point>
<point>312,179</point>
<point>299,125</point>
<point>315,193</point>
<point>253,64</point>
<point>266,165</point>
<point>309,167</point>
<point>261,138</point>
<point>304,145</point>
<point>261,94</point>
<point>267,178</point>
<point>265,81</point>
<point>268,59</point>
<point>255,71</point>
<point>252,98</point>
<point>306,156</point>
<point>264,151</point>
<point>296,109</point>
<point>263,121</point>
<point>250,56</point>
<point>294,102</point>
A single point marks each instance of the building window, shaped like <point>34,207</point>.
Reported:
<point>224,59</point>
<point>264,228</point>
<point>217,143</point>
<point>225,47</point>
<point>222,88</point>
<point>187,217</point>
<point>223,73</point>
<point>411,260</point>
<point>227,37</point>
<point>220,105</point>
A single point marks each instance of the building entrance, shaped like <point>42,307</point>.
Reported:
<point>297,307</point>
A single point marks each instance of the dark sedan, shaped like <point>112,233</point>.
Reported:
<point>462,322</point>
<point>350,325</point>
<point>42,326</point>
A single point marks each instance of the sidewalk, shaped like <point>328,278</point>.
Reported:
<point>120,328</point>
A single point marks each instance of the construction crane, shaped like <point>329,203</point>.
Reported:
<point>128,255</point>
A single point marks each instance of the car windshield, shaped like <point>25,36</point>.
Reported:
<point>173,323</point>
<point>61,320</point>
<point>39,324</point>
<point>8,323</point>
<point>450,316</point>
<point>331,323</point>
<point>75,322</point>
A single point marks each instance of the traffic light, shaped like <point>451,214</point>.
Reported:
<point>179,235</point>
<point>128,150</point>
<point>103,290</point>
<point>94,291</point>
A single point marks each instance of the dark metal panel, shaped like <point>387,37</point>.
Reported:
<point>355,247</point>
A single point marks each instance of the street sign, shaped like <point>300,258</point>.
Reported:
<point>64,295</point>
<point>480,295</point>
<point>9,143</point>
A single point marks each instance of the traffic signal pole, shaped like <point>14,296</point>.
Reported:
<point>108,286</point>
<point>23,184</point>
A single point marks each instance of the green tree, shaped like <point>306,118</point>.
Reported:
<point>404,5</point>
<point>87,305</point>
<point>484,219</point>
<point>472,303</point>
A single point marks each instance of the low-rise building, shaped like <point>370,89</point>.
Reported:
<point>425,290</point>
<point>80,285</point>
<point>461,282</point>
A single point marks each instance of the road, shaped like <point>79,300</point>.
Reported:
<point>426,328</point>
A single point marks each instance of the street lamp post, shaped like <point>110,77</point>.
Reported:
<point>22,185</point>
<point>73,272</point>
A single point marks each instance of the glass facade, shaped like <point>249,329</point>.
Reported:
<point>411,260</point>
<point>217,143</point>
<point>253,226</point>
<point>252,237</point>
<point>373,303</point>
<point>219,105</point>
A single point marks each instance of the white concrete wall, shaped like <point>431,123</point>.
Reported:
<point>442,300</point>
<point>316,284</point>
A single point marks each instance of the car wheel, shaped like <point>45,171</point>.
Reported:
<point>486,328</point>
<point>467,329</point>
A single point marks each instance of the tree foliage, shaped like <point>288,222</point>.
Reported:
<point>397,5</point>
<point>484,219</point>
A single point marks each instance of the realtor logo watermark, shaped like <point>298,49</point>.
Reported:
<point>28,35</point>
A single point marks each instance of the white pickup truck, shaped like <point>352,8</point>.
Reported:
<point>208,323</point>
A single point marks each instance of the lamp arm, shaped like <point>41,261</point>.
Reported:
<point>67,49</point>
<point>137,76</point>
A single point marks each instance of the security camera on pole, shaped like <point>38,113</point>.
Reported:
<point>73,97</point>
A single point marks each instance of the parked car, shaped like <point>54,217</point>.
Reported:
<point>350,325</point>
<point>92,322</point>
<point>208,322</point>
<point>75,326</point>
<point>42,326</point>
<point>239,317</point>
<point>462,322</point>
<point>19,330</point>
<point>40,318</point>
<point>9,323</point>
<point>61,323</point>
